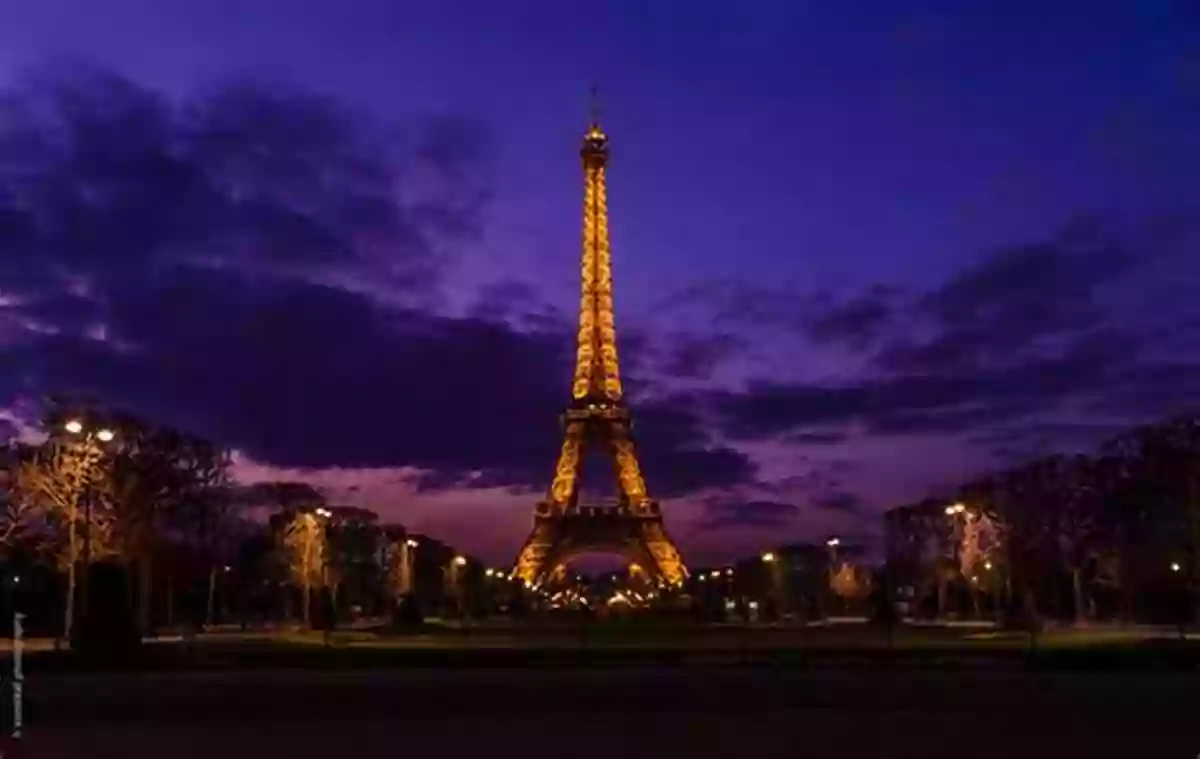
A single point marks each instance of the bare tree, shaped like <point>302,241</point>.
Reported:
<point>21,513</point>
<point>58,477</point>
<point>305,547</point>
<point>1160,505</point>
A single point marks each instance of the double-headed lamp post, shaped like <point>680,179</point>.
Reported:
<point>407,564</point>
<point>771,563</point>
<point>957,512</point>
<point>456,582</point>
<point>325,515</point>
<point>88,438</point>
<point>831,546</point>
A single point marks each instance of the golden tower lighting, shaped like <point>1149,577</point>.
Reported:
<point>597,419</point>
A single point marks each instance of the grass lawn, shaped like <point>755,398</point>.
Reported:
<point>637,645</point>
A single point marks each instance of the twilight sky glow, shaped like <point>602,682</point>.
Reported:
<point>860,253</point>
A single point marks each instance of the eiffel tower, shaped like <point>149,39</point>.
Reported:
<point>597,420</point>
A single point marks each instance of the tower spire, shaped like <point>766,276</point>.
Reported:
<point>597,374</point>
<point>594,106</point>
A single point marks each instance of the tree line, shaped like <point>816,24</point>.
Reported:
<point>109,488</point>
<point>1114,534</point>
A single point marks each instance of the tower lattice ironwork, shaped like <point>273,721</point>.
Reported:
<point>597,419</point>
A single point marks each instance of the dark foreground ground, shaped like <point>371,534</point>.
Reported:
<point>923,694</point>
<point>706,712</point>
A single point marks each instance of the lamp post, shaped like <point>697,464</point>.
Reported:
<point>324,515</point>
<point>407,558</point>
<point>328,605</point>
<point>956,512</point>
<point>456,568</point>
<point>89,441</point>
<point>772,567</point>
<point>831,546</point>
<point>456,565</point>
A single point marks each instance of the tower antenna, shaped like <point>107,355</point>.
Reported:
<point>594,105</point>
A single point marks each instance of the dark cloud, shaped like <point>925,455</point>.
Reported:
<point>8,431</point>
<point>1035,438</point>
<point>816,437</point>
<point>932,403</point>
<point>1030,331</point>
<point>518,304</point>
<point>102,181</point>
<point>692,356</point>
<point>858,322</point>
<point>842,502</point>
<point>502,300</point>
<point>820,487</point>
<point>238,264</point>
<point>1007,307</point>
<point>1045,432</point>
<point>759,514</point>
<point>733,304</point>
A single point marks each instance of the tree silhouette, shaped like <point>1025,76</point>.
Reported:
<point>1159,509</point>
<point>57,477</point>
<point>162,478</point>
<point>21,512</point>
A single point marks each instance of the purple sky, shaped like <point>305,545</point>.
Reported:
<point>859,254</point>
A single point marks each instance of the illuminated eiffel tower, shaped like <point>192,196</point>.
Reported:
<point>597,420</point>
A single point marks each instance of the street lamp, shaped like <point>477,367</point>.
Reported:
<point>955,508</point>
<point>1175,567</point>
<point>831,544</point>
<point>768,557</point>
<point>78,428</point>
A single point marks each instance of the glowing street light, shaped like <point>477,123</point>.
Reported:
<point>1175,566</point>
<point>104,435</point>
<point>768,557</point>
<point>956,508</point>
<point>460,561</point>
<point>832,542</point>
<point>987,565</point>
<point>410,543</point>
<point>323,512</point>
